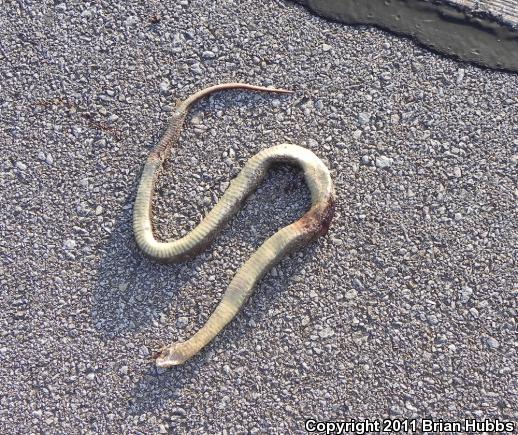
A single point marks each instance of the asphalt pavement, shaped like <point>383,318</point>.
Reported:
<point>405,309</point>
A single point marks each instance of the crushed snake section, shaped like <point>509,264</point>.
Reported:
<point>312,225</point>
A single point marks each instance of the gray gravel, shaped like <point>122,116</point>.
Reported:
<point>407,308</point>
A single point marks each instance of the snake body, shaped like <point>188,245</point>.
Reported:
<point>313,224</point>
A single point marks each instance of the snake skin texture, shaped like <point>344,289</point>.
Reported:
<point>311,225</point>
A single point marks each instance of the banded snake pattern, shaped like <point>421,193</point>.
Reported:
<point>311,225</point>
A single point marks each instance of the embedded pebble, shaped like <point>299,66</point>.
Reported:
<point>493,343</point>
<point>326,332</point>
<point>364,118</point>
<point>386,76</point>
<point>69,244</point>
<point>165,86</point>
<point>410,407</point>
<point>460,76</point>
<point>312,144</point>
<point>21,166</point>
<point>357,284</point>
<point>208,54</point>
<point>432,319</point>
<point>351,294</point>
<point>196,69</point>
<point>383,162</point>
<point>182,322</point>
<point>465,294</point>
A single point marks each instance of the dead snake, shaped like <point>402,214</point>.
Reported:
<point>313,224</point>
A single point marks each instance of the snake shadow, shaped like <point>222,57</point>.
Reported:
<point>133,292</point>
<point>158,389</point>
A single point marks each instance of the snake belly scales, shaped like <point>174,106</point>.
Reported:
<point>313,223</point>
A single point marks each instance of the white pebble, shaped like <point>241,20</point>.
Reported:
<point>364,118</point>
<point>493,343</point>
<point>410,407</point>
<point>326,332</point>
<point>383,162</point>
<point>69,244</point>
<point>165,86</point>
<point>208,54</point>
<point>460,76</point>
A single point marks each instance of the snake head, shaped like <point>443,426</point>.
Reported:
<point>170,356</point>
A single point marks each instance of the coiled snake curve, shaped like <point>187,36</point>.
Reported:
<point>313,224</point>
